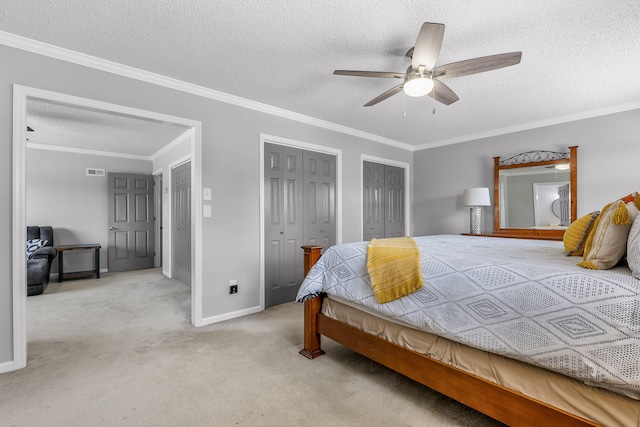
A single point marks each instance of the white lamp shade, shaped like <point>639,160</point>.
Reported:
<point>476,197</point>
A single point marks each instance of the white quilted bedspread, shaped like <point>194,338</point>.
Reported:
<point>520,298</point>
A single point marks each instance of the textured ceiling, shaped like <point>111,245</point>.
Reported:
<point>578,55</point>
<point>77,128</point>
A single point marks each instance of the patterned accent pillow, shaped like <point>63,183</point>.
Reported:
<point>33,245</point>
<point>633,248</point>
<point>575,236</point>
<point>633,197</point>
<point>607,242</point>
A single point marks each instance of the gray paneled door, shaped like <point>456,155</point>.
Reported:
<point>393,201</point>
<point>181,222</point>
<point>565,204</point>
<point>383,201</point>
<point>319,199</point>
<point>373,199</point>
<point>299,210</point>
<point>131,222</point>
<point>157,246</point>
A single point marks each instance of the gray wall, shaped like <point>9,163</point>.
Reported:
<point>607,168</point>
<point>61,195</point>
<point>230,156</point>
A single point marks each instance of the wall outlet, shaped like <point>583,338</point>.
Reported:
<point>233,286</point>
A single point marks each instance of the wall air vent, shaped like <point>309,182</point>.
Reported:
<point>95,172</point>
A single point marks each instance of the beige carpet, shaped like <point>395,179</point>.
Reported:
<point>120,350</point>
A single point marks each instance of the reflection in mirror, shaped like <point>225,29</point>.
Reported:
<point>530,194</point>
<point>535,194</point>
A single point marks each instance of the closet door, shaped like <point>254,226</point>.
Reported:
<point>283,223</point>
<point>383,201</point>
<point>393,201</point>
<point>373,199</point>
<point>319,199</point>
<point>300,209</point>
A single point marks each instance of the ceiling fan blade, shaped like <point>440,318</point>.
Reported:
<point>383,74</point>
<point>385,95</point>
<point>428,46</point>
<point>443,93</point>
<point>477,65</point>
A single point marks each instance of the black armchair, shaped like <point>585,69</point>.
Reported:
<point>39,262</point>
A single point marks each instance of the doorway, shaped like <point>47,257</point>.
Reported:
<point>21,95</point>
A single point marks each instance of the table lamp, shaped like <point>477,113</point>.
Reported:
<point>476,198</point>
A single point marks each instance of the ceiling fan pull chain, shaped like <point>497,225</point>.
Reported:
<point>404,106</point>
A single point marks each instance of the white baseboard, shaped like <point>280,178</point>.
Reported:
<point>7,367</point>
<point>229,316</point>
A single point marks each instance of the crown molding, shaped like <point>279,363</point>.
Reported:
<point>56,52</point>
<point>173,144</point>
<point>534,125</point>
<point>85,151</point>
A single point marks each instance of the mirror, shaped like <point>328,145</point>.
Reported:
<point>535,194</point>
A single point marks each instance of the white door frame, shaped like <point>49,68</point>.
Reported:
<point>264,138</point>
<point>19,234</point>
<point>407,190</point>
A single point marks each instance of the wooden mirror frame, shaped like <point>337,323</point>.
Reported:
<point>530,159</point>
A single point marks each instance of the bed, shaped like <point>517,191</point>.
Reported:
<point>509,327</point>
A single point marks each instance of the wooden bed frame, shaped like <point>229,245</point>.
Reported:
<point>494,400</point>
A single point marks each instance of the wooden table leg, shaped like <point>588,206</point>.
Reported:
<point>60,271</point>
<point>96,262</point>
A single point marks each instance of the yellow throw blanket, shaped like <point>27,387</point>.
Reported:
<point>394,267</point>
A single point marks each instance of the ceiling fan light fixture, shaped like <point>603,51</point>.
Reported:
<point>418,86</point>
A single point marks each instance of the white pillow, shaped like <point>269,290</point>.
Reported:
<point>633,248</point>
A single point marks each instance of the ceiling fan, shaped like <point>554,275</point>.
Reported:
<point>421,78</point>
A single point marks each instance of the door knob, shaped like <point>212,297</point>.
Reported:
<point>112,229</point>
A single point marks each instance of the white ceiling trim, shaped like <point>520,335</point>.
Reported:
<point>56,52</point>
<point>170,146</point>
<point>84,151</point>
<point>533,125</point>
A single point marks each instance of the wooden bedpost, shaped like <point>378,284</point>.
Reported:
<point>311,348</point>
<point>311,256</point>
<point>312,307</point>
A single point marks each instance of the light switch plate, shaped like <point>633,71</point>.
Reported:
<point>206,194</point>
<point>206,211</point>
